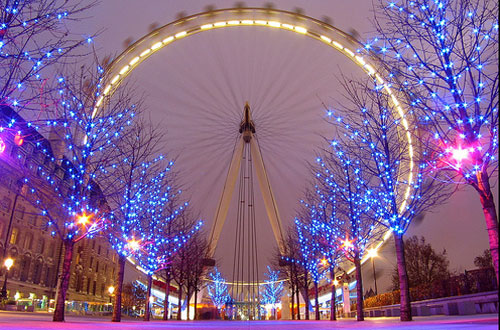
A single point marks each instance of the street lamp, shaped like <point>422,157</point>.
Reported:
<point>372,253</point>
<point>111,290</point>
<point>7,264</point>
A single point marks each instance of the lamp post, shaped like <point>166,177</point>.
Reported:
<point>111,290</point>
<point>372,253</point>
<point>7,264</point>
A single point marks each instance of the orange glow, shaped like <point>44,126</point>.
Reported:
<point>133,244</point>
<point>372,253</point>
<point>18,140</point>
<point>324,262</point>
<point>83,219</point>
<point>347,243</point>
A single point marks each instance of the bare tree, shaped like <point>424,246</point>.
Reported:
<point>444,55</point>
<point>289,269</point>
<point>34,41</point>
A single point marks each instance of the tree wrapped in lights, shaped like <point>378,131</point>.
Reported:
<point>444,55</point>
<point>128,186</point>
<point>341,175</point>
<point>325,233</point>
<point>217,289</point>
<point>34,37</point>
<point>272,289</point>
<point>67,191</point>
<point>310,249</point>
<point>392,171</point>
<point>154,235</point>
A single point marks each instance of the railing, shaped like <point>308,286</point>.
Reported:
<point>477,303</point>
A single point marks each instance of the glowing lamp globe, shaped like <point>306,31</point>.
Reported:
<point>8,263</point>
<point>111,289</point>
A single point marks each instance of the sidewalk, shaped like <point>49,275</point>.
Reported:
<point>37,321</point>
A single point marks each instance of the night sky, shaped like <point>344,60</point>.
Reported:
<point>196,89</point>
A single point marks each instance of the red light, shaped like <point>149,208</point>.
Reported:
<point>2,146</point>
<point>18,140</point>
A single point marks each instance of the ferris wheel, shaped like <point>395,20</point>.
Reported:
<point>203,96</point>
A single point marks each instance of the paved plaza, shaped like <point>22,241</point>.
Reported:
<point>36,321</point>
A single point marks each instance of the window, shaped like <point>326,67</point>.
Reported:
<point>25,267</point>
<point>20,212</point>
<point>88,285</point>
<point>14,236</point>
<point>93,244</point>
<point>79,281</point>
<point>91,262</point>
<point>28,241</point>
<point>37,270</point>
<point>5,204</point>
<point>50,278</point>
<point>40,246</point>
<point>52,250</point>
<point>32,219</point>
<point>94,287</point>
<point>99,250</point>
<point>97,267</point>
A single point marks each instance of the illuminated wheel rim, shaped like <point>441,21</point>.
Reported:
<point>302,25</point>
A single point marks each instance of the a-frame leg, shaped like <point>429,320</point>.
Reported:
<point>267,194</point>
<point>225,198</point>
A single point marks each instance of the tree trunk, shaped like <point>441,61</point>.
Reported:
<point>179,306</point>
<point>195,302</point>
<point>117,307</point>
<point>359,290</point>
<point>64,284</point>
<point>404,285</point>
<point>147,312</point>
<point>292,288</point>
<point>306,295</point>
<point>188,313</point>
<point>167,294</point>
<point>316,300</point>
<point>297,293</point>
<point>333,316</point>
<point>490,215</point>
